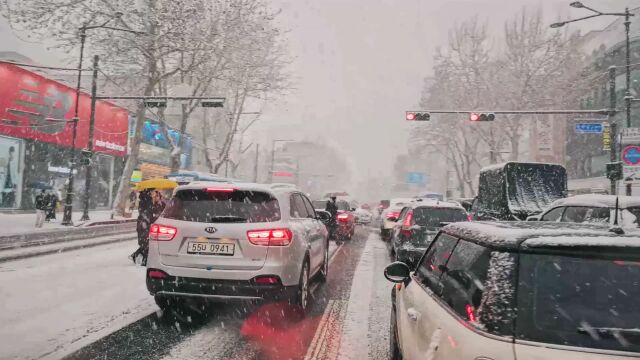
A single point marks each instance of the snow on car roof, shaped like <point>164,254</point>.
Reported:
<point>237,185</point>
<point>632,240</point>
<point>435,203</point>
<point>598,200</point>
<point>509,235</point>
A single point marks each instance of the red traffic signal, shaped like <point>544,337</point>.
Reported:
<point>482,116</point>
<point>417,116</point>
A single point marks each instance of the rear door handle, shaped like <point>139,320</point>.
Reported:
<point>413,314</point>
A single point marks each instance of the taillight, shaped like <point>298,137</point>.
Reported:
<point>157,274</point>
<point>406,224</point>
<point>270,237</point>
<point>219,189</point>
<point>162,232</point>
<point>267,280</point>
<point>470,313</point>
<point>469,217</point>
<point>343,216</point>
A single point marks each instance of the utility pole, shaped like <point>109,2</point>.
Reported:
<point>255,165</point>
<point>612,123</point>
<point>92,120</point>
<point>627,94</point>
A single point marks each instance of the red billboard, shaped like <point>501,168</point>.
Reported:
<point>32,105</point>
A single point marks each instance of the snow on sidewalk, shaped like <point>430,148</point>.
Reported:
<point>55,303</point>
<point>18,224</point>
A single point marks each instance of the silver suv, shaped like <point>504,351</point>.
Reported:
<point>236,241</point>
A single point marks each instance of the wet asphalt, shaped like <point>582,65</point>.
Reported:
<point>240,331</point>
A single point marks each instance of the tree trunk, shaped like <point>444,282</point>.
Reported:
<point>205,141</point>
<point>177,151</point>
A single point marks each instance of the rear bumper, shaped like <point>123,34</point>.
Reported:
<point>218,290</point>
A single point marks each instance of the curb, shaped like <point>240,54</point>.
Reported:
<point>63,249</point>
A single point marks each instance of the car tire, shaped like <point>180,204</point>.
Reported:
<point>394,348</point>
<point>324,270</point>
<point>302,294</point>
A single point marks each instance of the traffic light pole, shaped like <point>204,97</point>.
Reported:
<point>613,126</point>
<point>92,119</point>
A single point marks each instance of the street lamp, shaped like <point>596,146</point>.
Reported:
<point>627,22</point>
<point>273,154</point>
<point>68,206</point>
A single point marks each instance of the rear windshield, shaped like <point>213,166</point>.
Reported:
<point>223,207</point>
<point>432,217</point>
<point>319,204</point>
<point>343,205</point>
<point>585,302</point>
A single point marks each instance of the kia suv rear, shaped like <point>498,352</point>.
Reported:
<point>236,242</point>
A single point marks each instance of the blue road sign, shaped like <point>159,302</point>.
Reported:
<point>416,178</point>
<point>589,128</point>
<point>631,155</point>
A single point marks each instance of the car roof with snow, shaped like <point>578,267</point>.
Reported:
<point>416,203</point>
<point>598,200</point>
<point>245,186</point>
<point>529,235</point>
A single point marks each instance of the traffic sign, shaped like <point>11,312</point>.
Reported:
<point>631,155</point>
<point>416,178</point>
<point>589,128</point>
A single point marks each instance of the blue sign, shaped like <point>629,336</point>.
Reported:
<point>416,178</point>
<point>589,128</point>
<point>631,155</point>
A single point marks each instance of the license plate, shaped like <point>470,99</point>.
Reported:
<point>211,248</point>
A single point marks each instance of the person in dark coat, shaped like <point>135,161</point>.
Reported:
<point>52,206</point>
<point>157,207</point>
<point>332,208</point>
<point>47,204</point>
<point>40,206</point>
<point>132,200</point>
<point>143,222</point>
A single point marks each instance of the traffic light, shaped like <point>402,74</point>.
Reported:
<point>85,157</point>
<point>418,116</point>
<point>482,116</point>
<point>155,103</point>
<point>212,103</point>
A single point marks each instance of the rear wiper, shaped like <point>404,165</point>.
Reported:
<point>228,219</point>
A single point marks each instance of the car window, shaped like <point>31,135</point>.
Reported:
<point>630,217</point>
<point>343,205</point>
<point>587,302</point>
<point>403,212</point>
<point>430,268</point>
<point>432,217</point>
<point>320,204</point>
<point>553,215</point>
<point>298,208</point>
<point>220,207</point>
<point>575,214</point>
<point>464,280</point>
<point>599,215</point>
<point>310,211</point>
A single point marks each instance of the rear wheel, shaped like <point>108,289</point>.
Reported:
<point>302,295</point>
<point>324,271</point>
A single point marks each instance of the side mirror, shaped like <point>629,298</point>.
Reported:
<point>392,219</point>
<point>397,272</point>
<point>533,218</point>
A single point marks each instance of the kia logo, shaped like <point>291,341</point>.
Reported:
<point>210,229</point>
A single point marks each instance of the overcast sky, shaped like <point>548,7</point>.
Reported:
<point>359,64</point>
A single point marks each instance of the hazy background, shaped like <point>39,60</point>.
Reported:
<point>359,64</point>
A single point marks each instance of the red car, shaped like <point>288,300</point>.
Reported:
<point>346,219</point>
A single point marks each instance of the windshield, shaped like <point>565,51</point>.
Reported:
<point>552,309</point>
<point>432,218</point>
<point>162,163</point>
<point>222,207</point>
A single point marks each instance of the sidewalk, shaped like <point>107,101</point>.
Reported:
<point>22,224</point>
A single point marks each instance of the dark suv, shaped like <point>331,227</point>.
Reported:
<point>522,290</point>
<point>418,223</point>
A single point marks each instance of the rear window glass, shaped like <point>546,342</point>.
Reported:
<point>432,217</point>
<point>319,204</point>
<point>585,302</point>
<point>223,207</point>
<point>343,205</point>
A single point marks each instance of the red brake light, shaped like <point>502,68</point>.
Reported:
<point>470,313</point>
<point>267,280</point>
<point>157,274</point>
<point>469,217</point>
<point>270,237</point>
<point>406,224</point>
<point>343,216</point>
<point>162,232</point>
<point>219,189</point>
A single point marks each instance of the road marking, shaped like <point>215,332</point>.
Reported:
<point>326,341</point>
<point>315,285</point>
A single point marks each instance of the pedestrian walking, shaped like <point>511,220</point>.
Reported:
<point>40,207</point>
<point>157,207</point>
<point>52,206</point>
<point>47,203</point>
<point>143,222</point>
<point>132,200</point>
<point>332,208</point>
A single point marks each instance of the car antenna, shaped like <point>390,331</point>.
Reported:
<point>616,229</point>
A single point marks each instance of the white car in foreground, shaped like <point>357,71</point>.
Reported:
<point>231,242</point>
<point>519,290</point>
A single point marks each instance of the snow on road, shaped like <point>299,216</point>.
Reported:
<point>54,304</point>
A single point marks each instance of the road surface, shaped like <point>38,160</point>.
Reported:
<point>93,304</point>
